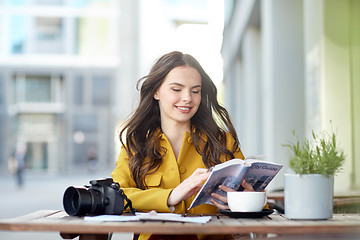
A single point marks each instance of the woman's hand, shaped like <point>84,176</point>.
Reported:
<point>188,187</point>
<point>247,188</point>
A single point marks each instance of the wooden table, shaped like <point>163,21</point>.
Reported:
<point>59,221</point>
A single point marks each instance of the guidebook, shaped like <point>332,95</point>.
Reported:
<point>254,170</point>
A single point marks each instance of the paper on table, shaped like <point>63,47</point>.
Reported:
<point>151,216</point>
<point>154,213</point>
<point>111,218</point>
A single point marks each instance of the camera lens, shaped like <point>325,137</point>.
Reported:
<point>77,201</point>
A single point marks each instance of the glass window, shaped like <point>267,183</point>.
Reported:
<point>101,90</point>
<point>36,156</point>
<point>78,90</point>
<point>82,152</point>
<point>37,89</point>
<point>48,29</point>
<point>17,34</point>
<point>48,35</point>
<point>86,122</point>
<point>94,37</point>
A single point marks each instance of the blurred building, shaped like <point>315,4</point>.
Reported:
<point>68,72</point>
<point>293,65</point>
<point>65,66</point>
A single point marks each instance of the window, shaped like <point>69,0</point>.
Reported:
<point>37,89</point>
<point>36,155</point>
<point>81,152</point>
<point>85,136</point>
<point>78,90</point>
<point>94,37</point>
<point>48,35</point>
<point>86,123</point>
<point>17,34</point>
<point>101,90</point>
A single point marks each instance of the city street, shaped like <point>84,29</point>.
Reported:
<point>39,192</point>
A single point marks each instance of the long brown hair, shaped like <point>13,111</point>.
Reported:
<point>208,126</point>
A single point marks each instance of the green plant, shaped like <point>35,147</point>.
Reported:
<point>322,156</point>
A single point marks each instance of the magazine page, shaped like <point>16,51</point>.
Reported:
<point>230,174</point>
<point>260,173</point>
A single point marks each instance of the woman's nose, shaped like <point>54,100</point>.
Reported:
<point>186,97</point>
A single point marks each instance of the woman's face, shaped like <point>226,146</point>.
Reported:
<point>179,96</point>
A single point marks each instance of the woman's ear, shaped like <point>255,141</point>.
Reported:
<point>156,96</point>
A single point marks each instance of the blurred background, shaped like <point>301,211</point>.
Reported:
<point>68,73</point>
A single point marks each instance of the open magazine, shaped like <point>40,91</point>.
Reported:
<point>254,170</point>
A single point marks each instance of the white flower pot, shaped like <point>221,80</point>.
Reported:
<point>308,196</point>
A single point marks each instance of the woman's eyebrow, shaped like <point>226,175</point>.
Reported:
<point>176,83</point>
<point>196,86</point>
<point>182,85</point>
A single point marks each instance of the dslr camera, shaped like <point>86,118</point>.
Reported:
<point>102,196</point>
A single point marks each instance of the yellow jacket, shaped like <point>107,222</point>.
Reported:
<point>170,174</point>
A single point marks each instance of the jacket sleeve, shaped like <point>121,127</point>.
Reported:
<point>153,198</point>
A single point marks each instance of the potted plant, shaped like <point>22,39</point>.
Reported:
<point>308,192</point>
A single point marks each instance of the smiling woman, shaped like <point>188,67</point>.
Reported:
<point>179,98</point>
<point>177,132</point>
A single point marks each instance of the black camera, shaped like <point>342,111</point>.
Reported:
<point>103,196</point>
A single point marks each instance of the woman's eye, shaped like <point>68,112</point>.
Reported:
<point>176,90</point>
<point>196,92</point>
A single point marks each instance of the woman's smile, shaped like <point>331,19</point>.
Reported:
<point>184,109</point>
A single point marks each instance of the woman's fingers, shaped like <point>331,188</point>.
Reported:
<point>200,171</point>
<point>226,189</point>
<point>189,186</point>
<point>219,197</point>
<point>219,205</point>
<point>197,178</point>
<point>247,187</point>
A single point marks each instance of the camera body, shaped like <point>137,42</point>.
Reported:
<point>102,196</point>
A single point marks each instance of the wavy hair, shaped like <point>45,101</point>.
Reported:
<point>143,130</point>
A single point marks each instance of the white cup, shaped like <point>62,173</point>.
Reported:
<point>246,201</point>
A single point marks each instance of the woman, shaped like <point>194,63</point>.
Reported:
<point>177,132</point>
